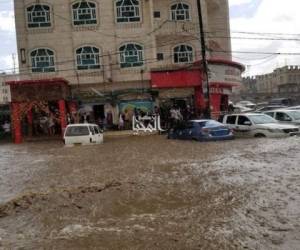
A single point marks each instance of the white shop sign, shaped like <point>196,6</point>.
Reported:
<point>225,74</point>
<point>5,94</point>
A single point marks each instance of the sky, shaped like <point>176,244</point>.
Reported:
<point>264,34</point>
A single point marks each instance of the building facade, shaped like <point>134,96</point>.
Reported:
<point>282,82</point>
<point>108,50</point>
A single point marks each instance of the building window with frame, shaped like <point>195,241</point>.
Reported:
<point>88,57</point>
<point>84,13</point>
<point>38,16</point>
<point>128,11</point>
<point>131,55</point>
<point>183,54</point>
<point>180,12</point>
<point>42,60</point>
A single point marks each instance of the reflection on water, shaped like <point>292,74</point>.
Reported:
<point>151,193</point>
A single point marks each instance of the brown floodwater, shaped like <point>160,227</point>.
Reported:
<point>147,192</point>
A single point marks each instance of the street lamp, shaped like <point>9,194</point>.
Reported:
<point>205,83</point>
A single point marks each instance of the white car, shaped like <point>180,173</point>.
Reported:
<point>246,104</point>
<point>83,134</point>
<point>285,116</point>
<point>293,108</point>
<point>258,125</point>
<point>241,109</point>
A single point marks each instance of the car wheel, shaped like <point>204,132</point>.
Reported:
<point>260,136</point>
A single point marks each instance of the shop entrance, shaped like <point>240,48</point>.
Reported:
<point>41,119</point>
<point>38,107</point>
<point>98,112</point>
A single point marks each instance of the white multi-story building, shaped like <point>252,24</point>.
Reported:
<point>107,49</point>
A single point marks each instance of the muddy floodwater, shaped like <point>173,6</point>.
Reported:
<point>151,193</point>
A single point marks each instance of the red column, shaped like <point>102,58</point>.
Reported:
<point>199,99</point>
<point>30,122</point>
<point>62,113</point>
<point>215,103</point>
<point>16,122</point>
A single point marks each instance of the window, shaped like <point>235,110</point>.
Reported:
<point>160,56</point>
<point>243,120</point>
<point>156,14</point>
<point>270,114</point>
<point>42,60</point>
<point>131,55</point>
<point>128,11</point>
<point>77,131</point>
<point>92,130</point>
<point>97,131</point>
<point>84,13</point>
<point>280,116</point>
<point>183,54</point>
<point>231,119</point>
<point>87,57</point>
<point>180,12</point>
<point>38,16</point>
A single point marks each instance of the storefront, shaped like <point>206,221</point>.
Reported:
<point>106,107</point>
<point>39,107</point>
<point>187,84</point>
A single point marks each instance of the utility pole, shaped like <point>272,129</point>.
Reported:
<point>205,83</point>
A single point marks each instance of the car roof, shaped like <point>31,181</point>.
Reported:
<point>281,110</point>
<point>81,124</point>
<point>247,114</point>
<point>279,99</point>
<point>201,120</point>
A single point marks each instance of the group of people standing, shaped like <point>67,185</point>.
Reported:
<point>46,124</point>
<point>169,117</point>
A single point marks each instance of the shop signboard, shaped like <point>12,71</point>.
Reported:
<point>225,74</point>
<point>129,106</point>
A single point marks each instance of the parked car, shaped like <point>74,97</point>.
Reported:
<point>201,130</point>
<point>286,116</point>
<point>241,109</point>
<point>293,108</point>
<point>261,105</point>
<point>281,101</point>
<point>246,104</point>
<point>269,107</point>
<point>83,134</point>
<point>258,125</point>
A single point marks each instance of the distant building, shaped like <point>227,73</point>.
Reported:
<point>282,82</point>
<point>249,85</point>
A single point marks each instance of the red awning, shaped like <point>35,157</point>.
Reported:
<point>52,81</point>
<point>176,79</point>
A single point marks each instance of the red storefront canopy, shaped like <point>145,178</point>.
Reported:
<point>180,78</point>
<point>52,81</point>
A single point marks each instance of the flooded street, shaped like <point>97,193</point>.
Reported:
<point>151,193</point>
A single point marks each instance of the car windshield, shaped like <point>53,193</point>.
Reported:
<point>295,114</point>
<point>77,131</point>
<point>262,119</point>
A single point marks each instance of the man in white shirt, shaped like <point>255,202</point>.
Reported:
<point>6,127</point>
